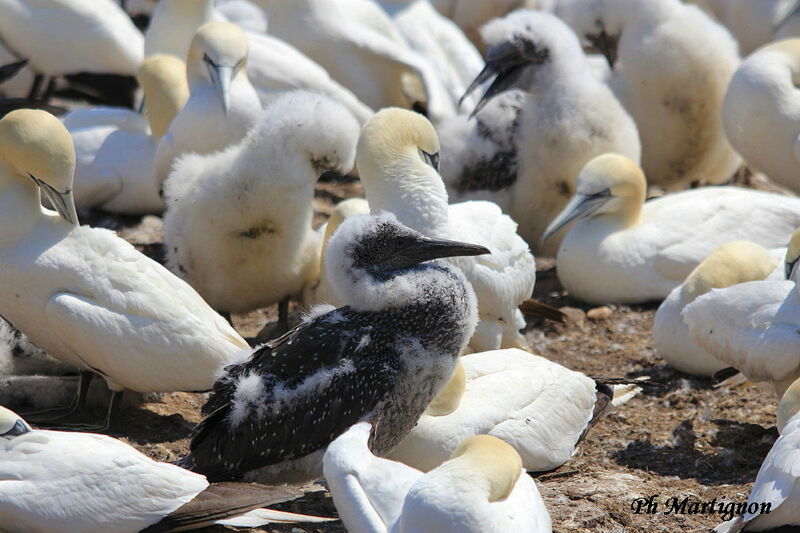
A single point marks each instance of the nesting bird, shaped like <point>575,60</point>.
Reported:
<point>624,250</point>
<point>524,148</point>
<point>481,488</point>
<point>238,222</point>
<point>398,161</point>
<point>91,299</point>
<point>670,67</point>
<point>381,358</point>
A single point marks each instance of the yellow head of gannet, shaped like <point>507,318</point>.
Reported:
<point>449,398</point>
<point>792,255</point>
<point>37,146</point>
<point>163,80</point>
<point>218,53</point>
<point>11,424</point>
<point>789,405</point>
<point>493,460</point>
<point>609,184</point>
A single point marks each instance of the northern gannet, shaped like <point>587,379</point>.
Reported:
<point>398,161</point>
<point>777,485</point>
<point>69,36</point>
<point>542,409</point>
<point>482,488</point>
<point>222,104</point>
<point>238,222</point>
<point>525,150</point>
<point>753,24</point>
<point>91,299</point>
<point>671,64</point>
<point>357,43</point>
<point>624,250</point>
<point>116,148</point>
<point>753,326</point>
<point>732,263</point>
<point>244,14</point>
<point>761,113</point>
<point>20,357</point>
<point>381,358</point>
<point>87,483</point>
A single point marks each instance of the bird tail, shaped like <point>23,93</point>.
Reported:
<point>535,309</point>
<point>729,378</point>
<point>262,517</point>
<point>734,525</point>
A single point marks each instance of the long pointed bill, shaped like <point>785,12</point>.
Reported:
<point>789,268</point>
<point>62,202</point>
<point>425,249</point>
<point>581,206</point>
<point>222,77</point>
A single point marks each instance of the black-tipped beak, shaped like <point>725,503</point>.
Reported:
<point>788,268</point>
<point>507,62</point>
<point>606,44</point>
<point>61,201</point>
<point>425,249</point>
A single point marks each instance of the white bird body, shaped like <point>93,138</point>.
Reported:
<point>732,263</point>
<point>244,14</point>
<point>761,113</point>
<point>67,36</point>
<point>670,70</point>
<point>238,222</point>
<point>375,495</point>
<point>540,408</point>
<point>753,24</point>
<point>20,85</point>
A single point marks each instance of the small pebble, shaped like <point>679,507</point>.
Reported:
<point>599,313</point>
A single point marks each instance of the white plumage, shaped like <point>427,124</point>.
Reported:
<point>753,24</point>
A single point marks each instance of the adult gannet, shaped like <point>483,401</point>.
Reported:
<point>525,151</point>
<point>357,43</point>
<point>671,65</point>
<point>381,358</point>
<point>69,36</point>
<point>752,327</point>
<point>90,299</point>
<point>86,483</point>
<point>222,104</point>
<point>732,263</point>
<point>761,113</point>
<point>116,148</point>
<point>777,485</point>
<point>238,222</point>
<point>397,159</point>
<point>540,408</point>
<point>624,250</point>
<point>481,488</point>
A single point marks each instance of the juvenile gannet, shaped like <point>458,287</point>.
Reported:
<point>357,43</point>
<point>20,357</point>
<point>671,65</point>
<point>90,299</point>
<point>777,484</point>
<point>381,358</point>
<point>540,408</point>
<point>116,148</point>
<point>481,488</point>
<point>624,250</point>
<point>69,36</point>
<point>85,483</point>
<point>762,112</point>
<point>222,104</point>
<point>525,154</point>
<point>238,222</point>
<point>398,160</point>
<point>753,326</point>
<point>732,263</point>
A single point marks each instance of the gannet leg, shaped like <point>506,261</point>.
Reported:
<point>283,316</point>
<point>112,415</point>
<point>37,84</point>
<point>78,403</point>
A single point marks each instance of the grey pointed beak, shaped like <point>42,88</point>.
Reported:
<point>63,202</point>
<point>580,206</point>
<point>789,267</point>
<point>222,77</point>
<point>425,249</point>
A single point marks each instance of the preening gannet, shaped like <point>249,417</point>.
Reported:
<point>116,148</point>
<point>397,159</point>
<point>381,358</point>
<point>671,65</point>
<point>624,250</point>
<point>777,486</point>
<point>222,104</point>
<point>525,150</point>
<point>90,299</point>
<point>238,222</point>
<point>540,408</point>
<point>481,488</point>
<point>86,483</point>
<point>762,112</point>
<point>732,263</point>
<point>753,326</point>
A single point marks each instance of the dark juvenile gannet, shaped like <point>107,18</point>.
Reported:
<point>381,358</point>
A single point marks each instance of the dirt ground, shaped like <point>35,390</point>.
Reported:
<point>685,439</point>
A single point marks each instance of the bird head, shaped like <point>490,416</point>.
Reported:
<point>394,135</point>
<point>789,405</point>
<point>732,263</point>
<point>218,53</point>
<point>11,425</point>
<point>599,23</point>
<point>792,256</point>
<point>493,460</point>
<point>163,80</point>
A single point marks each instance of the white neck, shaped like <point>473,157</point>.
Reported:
<point>20,205</point>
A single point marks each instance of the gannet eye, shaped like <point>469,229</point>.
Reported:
<point>209,61</point>
<point>19,429</point>
<point>430,159</point>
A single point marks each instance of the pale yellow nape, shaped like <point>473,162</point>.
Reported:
<point>163,80</point>
<point>732,263</point>
<point>36,143</point>
<point>8,419</point>
<point>392,131</point>
<point>494,460</point>
<point>223,42</point>
<point>793,250</point>
<point>449,398</point>
<point>789,405</point>
<point>621,176</point>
